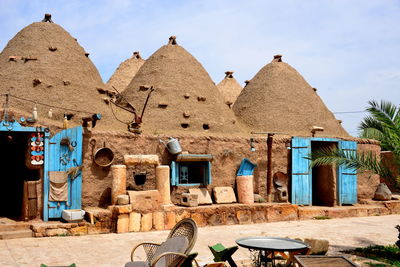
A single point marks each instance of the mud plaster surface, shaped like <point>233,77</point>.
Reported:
<point>227,156</point>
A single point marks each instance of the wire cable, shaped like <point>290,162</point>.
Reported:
<point>47,105</point>
<point>343,112</point>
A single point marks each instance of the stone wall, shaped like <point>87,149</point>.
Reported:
<point>227,156</point>
<point>389,161</point>
<point>366,181</point>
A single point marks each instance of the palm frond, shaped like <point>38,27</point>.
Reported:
<point>366,161</point>
<point>383,124</point>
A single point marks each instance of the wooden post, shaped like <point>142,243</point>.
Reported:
<point>269,166</point>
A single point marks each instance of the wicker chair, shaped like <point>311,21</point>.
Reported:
<point>187,228</point>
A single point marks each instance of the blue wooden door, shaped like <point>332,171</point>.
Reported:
<point>301,173</point>
<point>347,181</point>
<point>63,151</point>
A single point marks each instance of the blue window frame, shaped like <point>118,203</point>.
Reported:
<point>190,173</point>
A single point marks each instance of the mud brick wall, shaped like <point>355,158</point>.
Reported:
<point>227,152</point>
<point>366,181</point>
<point>227,156</point>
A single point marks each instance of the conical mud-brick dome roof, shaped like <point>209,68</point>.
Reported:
<point>45,64</point>
<point>278,99</point>
<point>185,99</point>
<point>229,88</point>
<point>125,72</point>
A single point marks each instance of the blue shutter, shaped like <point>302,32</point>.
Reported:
<point>60,158</point>
<point>347,185</point>
<point>208,179</point>
<point>174,173</point>
<point>301,173</point>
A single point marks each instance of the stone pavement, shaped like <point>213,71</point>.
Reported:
<point>114,249</point>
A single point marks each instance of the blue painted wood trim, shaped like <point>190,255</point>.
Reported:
<point>301,191</point>
<point>60,158</point>
<point>347,178</point>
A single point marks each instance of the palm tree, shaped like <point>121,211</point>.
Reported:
<point>382,124</point>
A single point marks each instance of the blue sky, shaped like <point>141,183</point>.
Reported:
<point>349,50</point>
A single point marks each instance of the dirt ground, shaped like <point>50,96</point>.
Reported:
<point>114,249</point>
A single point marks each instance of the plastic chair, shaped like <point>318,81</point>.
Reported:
<point>222,254</point>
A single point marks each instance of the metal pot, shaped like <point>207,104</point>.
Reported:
<point>104,156</point>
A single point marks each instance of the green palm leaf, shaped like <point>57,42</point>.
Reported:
<point>366,161</point>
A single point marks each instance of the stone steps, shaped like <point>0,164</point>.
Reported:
<point>14,227</point>
<point>10,229</point>
<point>16,234</point>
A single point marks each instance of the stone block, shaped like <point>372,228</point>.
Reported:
<point>199,219</point>
<point>308,213</point>
<point>146,222</point>
<point>283,212</point>
<point>383,192</point>
<point>118,186</point>
<point>163,182</point>
<point>259,216</point>
<point>341,212</point>
<point>182,214</point>
<point>231,219</point>
<point>145,201</point>
<point>169,220</point>
<point>217,219</point>
<point>123,200</point>
<point>123,223</point>
<point>363,212</point>
<point>80,230</point>
<point>376,211</point>
<point>244,216</point>
<point>97,228</point>
<point>158,220</point>
<point>121,209</point>
<point>134,222</point>
<point>317,246</point>
<point>245,189</point>
<point>224,194</point>
<point>394,207</point>
<point>204,195</point>
<point>56,232</point>
<point>141,160</point>
<point>189,200</point>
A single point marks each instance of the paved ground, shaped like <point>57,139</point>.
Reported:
<point>114,249</point>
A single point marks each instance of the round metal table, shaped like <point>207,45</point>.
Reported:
<point>271,245</point>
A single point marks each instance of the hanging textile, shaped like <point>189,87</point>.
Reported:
<point>58,186</point>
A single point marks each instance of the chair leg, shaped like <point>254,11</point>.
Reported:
<point>231,262</point>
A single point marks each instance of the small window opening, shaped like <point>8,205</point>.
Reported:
<point>206,126</point>
<point>185,125</point>
<point>140,178</point>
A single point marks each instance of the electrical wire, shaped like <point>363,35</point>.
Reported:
<point>47,105</point>
<point>343,112</point>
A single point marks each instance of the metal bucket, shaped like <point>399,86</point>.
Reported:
<point>173,146</point>
<point>104,156</point>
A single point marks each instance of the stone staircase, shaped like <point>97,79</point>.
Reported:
<point>10,229</point>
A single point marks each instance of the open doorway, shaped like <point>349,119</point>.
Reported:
<point>14,150</point>
<point>324,179</point>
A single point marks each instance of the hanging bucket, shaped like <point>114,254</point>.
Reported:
<point>172,146</point>
<point>104,156</point>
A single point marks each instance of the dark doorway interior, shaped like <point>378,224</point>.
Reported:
<point>323,179</point>
<point>14,172</point>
